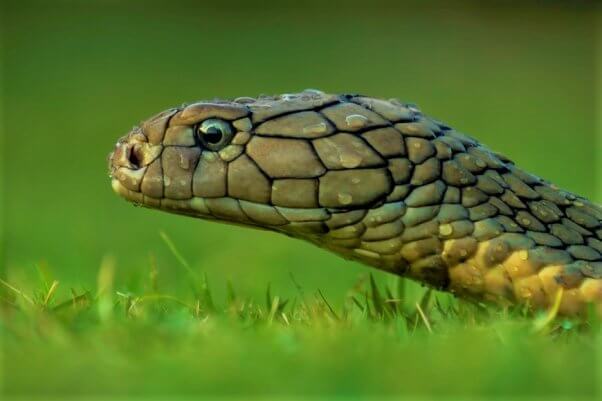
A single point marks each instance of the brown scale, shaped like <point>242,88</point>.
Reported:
<point>374,181</point>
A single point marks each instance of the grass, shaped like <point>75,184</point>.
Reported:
<point>395,339</point>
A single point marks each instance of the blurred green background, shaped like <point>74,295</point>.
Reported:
<point>78,74</point>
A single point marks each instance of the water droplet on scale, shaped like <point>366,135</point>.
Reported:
<point>244,99</point>
<point>345,198</point>
<point>350,160</point>
<point>356,120</point>
<point>319,128</point>
<point>184,162</point>
<point>313,91</point>
<point>288,97</point>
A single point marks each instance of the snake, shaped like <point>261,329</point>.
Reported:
<point>375,181</point>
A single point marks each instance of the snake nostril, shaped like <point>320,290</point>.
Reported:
<point>133,157</point>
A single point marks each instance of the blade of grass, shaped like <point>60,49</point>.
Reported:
<point>50,293</point>
<point>541,324</point>
<point>176,253</point>
<point>424,318</point>
<point>104,295</point>
<point>199,292</point>
<point>154,273</point>
<point>73,301</point>
<point>18,292</point>
<point>230,293</point>
<point>330,308</point>
<point>273,309</point>
<point>376,298</point>
<point>426,299</point>
<point>357,303</point>
<point>268,296</point>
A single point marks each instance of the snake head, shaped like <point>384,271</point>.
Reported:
<point>310,165</point>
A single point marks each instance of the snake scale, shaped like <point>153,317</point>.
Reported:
<point>375,181</point>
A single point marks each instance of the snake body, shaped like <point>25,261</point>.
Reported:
<point>374,181</point>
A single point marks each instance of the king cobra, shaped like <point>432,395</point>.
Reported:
<point>375,181</point>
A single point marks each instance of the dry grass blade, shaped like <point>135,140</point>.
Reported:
<point>74,301</point>
<point>425,320</point>
<point>18,292</point>
<point>128,302</point>
<point>273,309</point>
<point>197,309</point>
<point>426,299</point>
<point>50,293</point>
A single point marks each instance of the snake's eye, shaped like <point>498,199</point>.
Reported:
<point>214,134</point>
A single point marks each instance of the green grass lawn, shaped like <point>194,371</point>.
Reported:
<point>96,304</point>
<point>390,340</point>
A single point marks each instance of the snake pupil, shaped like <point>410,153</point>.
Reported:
<point>214,133</point>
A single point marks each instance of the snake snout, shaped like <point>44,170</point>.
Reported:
<point>129,162</point>
<point>134,152</point>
